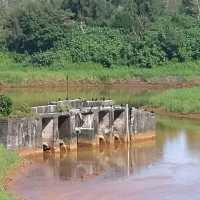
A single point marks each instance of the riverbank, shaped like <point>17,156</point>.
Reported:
<point>16,75</point>
<point>8,161</point>
<point>185,100</point>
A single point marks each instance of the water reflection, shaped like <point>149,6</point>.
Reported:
<point>108,163</point>
<point>173,146</point>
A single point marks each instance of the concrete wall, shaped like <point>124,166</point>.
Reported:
<point>141,122</point>
<point>86,132</point>
<point>54,107</point>
<point>24,133</point>
<point>3,132</point>
<point>87,125</point>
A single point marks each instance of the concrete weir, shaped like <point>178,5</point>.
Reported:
<point>78,122</point>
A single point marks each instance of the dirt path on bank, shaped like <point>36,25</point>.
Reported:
<point>138,85</point>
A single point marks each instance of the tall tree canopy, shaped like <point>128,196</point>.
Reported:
<point>125,32</point>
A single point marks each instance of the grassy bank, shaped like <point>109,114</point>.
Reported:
<point>14,73</point>
<point>8,160</point>
<point>186,100</point>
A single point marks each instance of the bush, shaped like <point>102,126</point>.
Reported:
<point>5,106</point>
<point>44,58</point>
<point>55,58</point>
<point>22,110</point>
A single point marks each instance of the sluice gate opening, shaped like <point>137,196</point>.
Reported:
<point>119,122</point>
<point>104,122</point>
<point>64,128</point>
<point>47,131</point>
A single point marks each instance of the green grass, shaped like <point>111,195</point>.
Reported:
<point>186,100</point>
<point>8,160</point>
<point>16,73</point>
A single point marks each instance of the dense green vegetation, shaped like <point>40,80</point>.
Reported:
<point>5,106</point>
<point>178,100</point>
<point>8,160</point>
<point>57,33</point>
<point>15,74</point>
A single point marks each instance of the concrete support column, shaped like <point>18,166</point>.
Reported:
<point>55,132</point>
<point>73,144</point>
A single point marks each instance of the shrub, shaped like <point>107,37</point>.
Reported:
<point>44,58</point>
<point>5,105</point>
<point>22,110</point>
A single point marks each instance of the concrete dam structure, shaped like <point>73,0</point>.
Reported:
<point>77,122</point>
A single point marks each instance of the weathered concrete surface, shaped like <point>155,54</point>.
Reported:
<point>77,122</point>
<point>24,133</point>
<point>3,131</point>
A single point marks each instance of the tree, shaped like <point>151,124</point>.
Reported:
<point>191,7</point>
<point>136,15</point>
<point>36,27</point>
<point>95,12</point>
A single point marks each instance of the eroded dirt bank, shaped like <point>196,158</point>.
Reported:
<point>163,112</point>
<point>137,84</point>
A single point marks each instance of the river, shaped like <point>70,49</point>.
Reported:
<point>164,169</point>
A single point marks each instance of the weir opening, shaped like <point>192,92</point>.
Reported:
<point>104,122</point>
<point>119,121</point>
<point>47,130</point>
<point>64,128</point>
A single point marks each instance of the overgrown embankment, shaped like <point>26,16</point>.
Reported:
<point>8,161</point>
<point>13,74</point>
<point>179,102</point>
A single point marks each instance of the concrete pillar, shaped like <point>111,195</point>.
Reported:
<point>73,144</point>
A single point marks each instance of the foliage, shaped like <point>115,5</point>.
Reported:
<point>142,33</point>
<point>21,110</point>
<point>190,7</point>
<point>101,45</point>
<point>63,108</point>
<point>5,105</point>
<point>36,27</point>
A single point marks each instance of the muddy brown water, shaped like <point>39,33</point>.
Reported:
<point>165,169</point>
